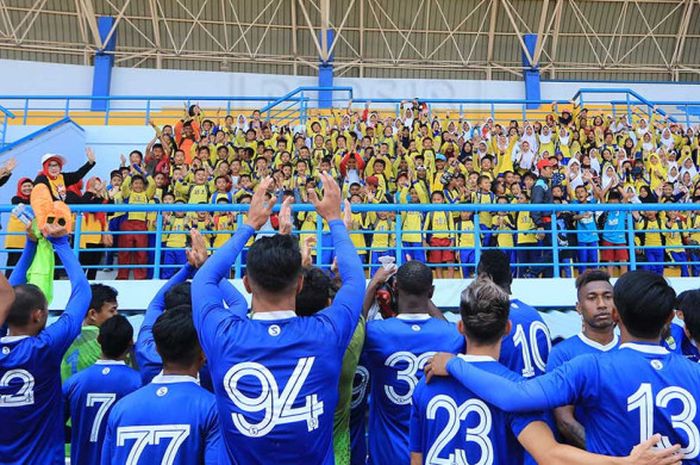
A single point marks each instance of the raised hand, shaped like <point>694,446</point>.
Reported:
<point>306,248</point>
<point>437,366</point>
<point>197,254</point>
<point>10,165</point>
<point>90,155</point>
<point>285,216</point>
<point>347,215</point>
<point>260,208</point>
<point>329,207</point>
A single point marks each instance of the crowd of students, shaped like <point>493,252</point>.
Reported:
<point>317,371</point>
<point>572,155</point>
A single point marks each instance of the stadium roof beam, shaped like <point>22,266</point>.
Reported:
<point>681,36</point>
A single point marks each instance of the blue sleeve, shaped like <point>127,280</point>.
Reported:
<point>555,359</point>
<point>344,312</point>
<point>208,310</point>
<point>147,357</point>
<point>519,421</point>
<point>564,386</point>
<point>235,301</point>
<point>19,274</point>
<point>213,447</point>
<point>61,334</point>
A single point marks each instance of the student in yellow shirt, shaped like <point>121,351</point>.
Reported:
<point>651,239</point>
<point>693,222</point>
<point>438,225</point>
<point>357,229</point>
<point>503,226</point>
<point>135,192</point>
<point>383,239</point>
<point>224,223</point>
<point>528,254</point>
<point>464,227</point>
<point>673,235</point>
<point>412,222</point>
<point>175,227</point>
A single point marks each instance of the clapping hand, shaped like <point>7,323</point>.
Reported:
<point>54,230</point>
<point>285,216</point>
<point>329,207</point>
<point>197,254</point>
<point>90,155</point>
<point>260,208</point>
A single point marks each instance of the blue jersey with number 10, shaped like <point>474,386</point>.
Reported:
<point>90,396</point>
<point>449,424</point>
<point>526,348</point>
<point>397,350</point>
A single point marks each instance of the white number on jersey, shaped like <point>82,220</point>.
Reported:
<point>530,348</point>
<point>25,394</point>
<point>408,375</point>
<point>643,400</point>
<point>359,391</point>
<point>105,400</point>
<point>277,407</point>
<point>152,435</point>
<point>478,434</point>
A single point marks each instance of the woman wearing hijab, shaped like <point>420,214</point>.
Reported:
<point>94,227</point>
<point>16,238</point>
<point>56,180</point>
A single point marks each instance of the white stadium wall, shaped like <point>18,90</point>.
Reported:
<point>56,79</point>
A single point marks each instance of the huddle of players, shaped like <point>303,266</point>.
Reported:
<point>275,375</point>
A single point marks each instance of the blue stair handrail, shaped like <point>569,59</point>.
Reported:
<point>298,95</point>
<point>6,116</point>
<point>29,137</point>
<point>651,106</point>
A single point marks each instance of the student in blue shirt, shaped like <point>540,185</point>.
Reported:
<point>91,394</point>
<point>450,424</point>
<point>172,420</point>
<point>525,348</point>
<point>682,338</point>
<point>275,375</point>
<point>627,395</point>
<point>31,405</point>
<point>396,349</point>
<point>586,232</point>
<point>614,237</point>
<point>595,305</point>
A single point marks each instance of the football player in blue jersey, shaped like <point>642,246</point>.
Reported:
<point>525,348</point>
<point>176,291</point>
<point>358,414</point>
<point>275,374</point>
<point>682,339</point>
<point>396,349</point>
<point>172,420</point>
<point>31,404</point>
<point>450,424</point>
<point>91,394</point>
<point>595,305</point>
<point>627,395</point>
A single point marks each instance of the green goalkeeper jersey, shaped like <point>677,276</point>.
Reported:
<point>82,353</point>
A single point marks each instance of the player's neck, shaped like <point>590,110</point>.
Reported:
<point>408,304</point>
<point>175,370</point>
<point>489,350</point>
<point>603,337</point>
<point>261,304</point>
<point>121,358</point>
<point>14,331</point>
<point>626,337</point>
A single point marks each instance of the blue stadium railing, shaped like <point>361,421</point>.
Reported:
<point>323,247</point>
<point>5,116</point>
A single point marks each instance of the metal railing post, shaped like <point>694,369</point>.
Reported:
<point>77,229</point>
<point>238,272</point>
<point>399,240</point>
<point>477,237</point>
<point>630,241</point>
<point>319,240</point>
<point>26,111</point>
<point>67,109</point>
<point>148,111</point>
<point>555,246</point>
<point>158,245</point>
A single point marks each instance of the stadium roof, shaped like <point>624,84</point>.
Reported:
<point>454,39</point>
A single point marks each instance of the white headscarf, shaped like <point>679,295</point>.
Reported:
<point>575,179</point>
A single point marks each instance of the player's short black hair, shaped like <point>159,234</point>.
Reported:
<point>415,278</point>
<point>102,294</point>
<point>175,336</point>
<point>688,303</point>
<point>115,336</point>
<point>28,298</point>
<point>644,301</point>
<point>315,293</point>
<point>484,307</point>
<point>274,263</point>
<point>496,265</point>
<point>179,294</point>
<point>590,276</point>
